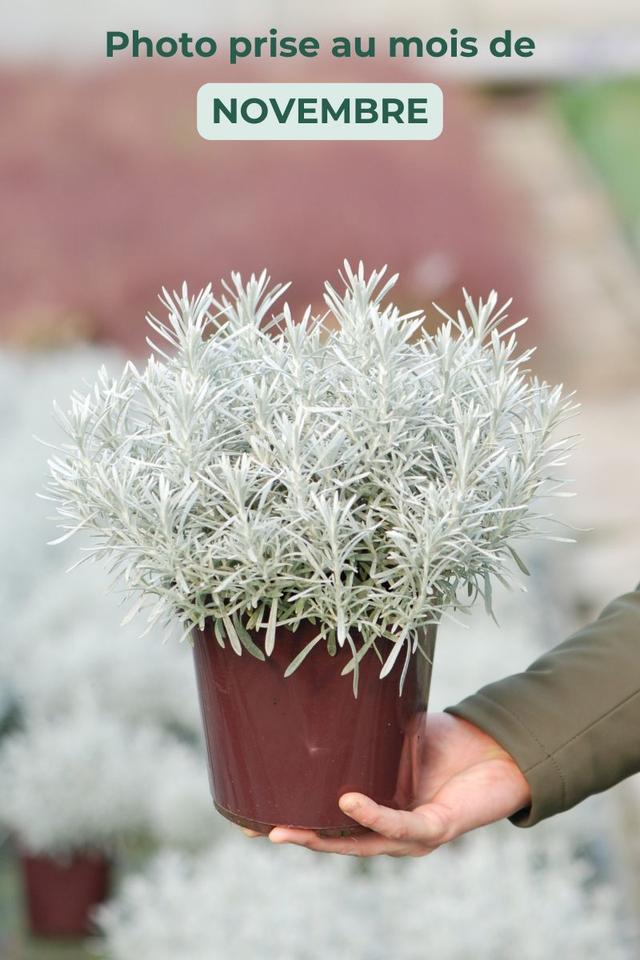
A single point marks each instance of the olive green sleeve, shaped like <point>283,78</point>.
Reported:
<point>572,720</point>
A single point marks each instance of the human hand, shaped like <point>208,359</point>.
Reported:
<point>464,779</point>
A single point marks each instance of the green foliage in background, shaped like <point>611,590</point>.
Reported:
<point>604,118</point>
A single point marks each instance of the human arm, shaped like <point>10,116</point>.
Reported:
<point>572,720</point>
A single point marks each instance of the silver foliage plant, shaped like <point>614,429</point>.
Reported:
<point>496,896</point>
<point>68,784</point>
<point>350,469</point>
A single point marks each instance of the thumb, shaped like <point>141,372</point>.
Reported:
<point>438,823</point>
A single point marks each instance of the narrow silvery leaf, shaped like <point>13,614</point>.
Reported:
<point>271,627</point>
<point>232,635</point>
<point>405,668</point>
<point>219,632</point>
<point>298,659</point>
<point>391,659</point>
<point>246,640</point>
<point>518,559</point>
<point>358,655</point>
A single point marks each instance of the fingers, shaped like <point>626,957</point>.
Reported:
<point>369,845</point>
<point>251,833</point>
<point>428,825</point>
<point>395,833</point>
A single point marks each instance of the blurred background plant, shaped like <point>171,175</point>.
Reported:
<point>86,779</point>
<point>195,907</point>
<point>532,189</point>
<point>63,642</point>
<point>69,785</point>
<point>102,748</point>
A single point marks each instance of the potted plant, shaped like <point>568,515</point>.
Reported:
<point>73,787</point>
<point>310,499</point>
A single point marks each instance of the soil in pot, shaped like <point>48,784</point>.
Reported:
<point>60,895</point>
<point>283,750</point>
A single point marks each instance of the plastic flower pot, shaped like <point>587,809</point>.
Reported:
<point>60,895</point>
<point>282,750</point>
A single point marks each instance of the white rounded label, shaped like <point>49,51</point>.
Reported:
<point>320,111</point>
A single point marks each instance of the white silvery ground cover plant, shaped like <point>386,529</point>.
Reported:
<point>26,377</point>
<point>76,781</point>
<point>61,632</point>
<point>518,896</point>
<point>83,772</point>
<point>87,779</point>
<point>351,469</point>
<point>69,638</point>
<point>177,797</point>
<point>24,557</point>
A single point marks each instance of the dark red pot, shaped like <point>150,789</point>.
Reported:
<point>283,750</point>
<point>61,894</point>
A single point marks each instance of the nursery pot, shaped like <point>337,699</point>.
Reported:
<point>282,750</point>
<point>60,894</point>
